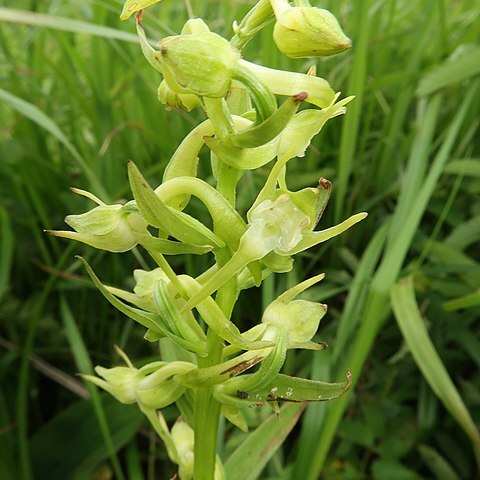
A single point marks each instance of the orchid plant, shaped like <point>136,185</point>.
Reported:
<point>245,129</point>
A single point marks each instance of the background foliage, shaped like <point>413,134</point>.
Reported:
<point>77,100</point>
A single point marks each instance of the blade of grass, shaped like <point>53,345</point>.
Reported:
<point>36,115</point>
<point>25,468</point>
<point>377,307</point>
<point>427,359</point>
<point>25,17</point>
<point>6,250</point>
<point>250,458</point>
<point>84,364</point>
<point>463,66</point>
<point>356,84</point>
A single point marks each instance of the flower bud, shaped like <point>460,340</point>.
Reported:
<point>200,63</point>
<point>172,99</point>
<point>119,382</point>
<point>309,32</point>
<point>145,281</point>
<point>106,227</point>
<point>152,386</point>
<point>183,439</point>
<point>298,318</point>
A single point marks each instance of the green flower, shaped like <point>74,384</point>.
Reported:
<point>106,227</point>
<point>153,386</point>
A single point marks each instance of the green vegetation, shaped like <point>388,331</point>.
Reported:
<point>77,102</point>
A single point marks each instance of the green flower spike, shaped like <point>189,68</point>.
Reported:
<point>307,31</point>
<point>106,227</point>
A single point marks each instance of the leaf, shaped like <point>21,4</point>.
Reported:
<point>427,359</point>
<point>36,115</point>
<point>250,458</point>
<point>65,24</point>
<point>437,464</point>
<point>6,250</point>
<point>287,389</point>
<point>464,65</point>
<point>470,300</point>
<point>84,364</point>
<point>78,428</point>
<point>469,167</point>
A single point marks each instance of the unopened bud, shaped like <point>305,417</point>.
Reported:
<point>298,318</point>
<point>172,99</point>
<point>106,227</point>
<point>200,63</point>
<point>309,32</point>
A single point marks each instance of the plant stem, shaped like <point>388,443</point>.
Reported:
<point>207,409</point>
<point>207,415</point>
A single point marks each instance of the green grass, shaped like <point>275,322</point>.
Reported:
<point>77,101</point>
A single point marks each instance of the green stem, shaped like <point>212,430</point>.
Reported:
<point>207,409</point>
<point>262,97</point>
<point>219,115</point>
<point>257,18</point>
<point>207,416</point>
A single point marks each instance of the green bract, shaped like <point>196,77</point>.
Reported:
<point>206,360</point>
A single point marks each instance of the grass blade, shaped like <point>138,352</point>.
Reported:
<point>62,23</point>
<point>250,458</point>
<point>464,66</point>
<point>36,115</point>
<point>427,359</point>
<point>82,360</point>
<point>6,250</point>
<point>377,307</point>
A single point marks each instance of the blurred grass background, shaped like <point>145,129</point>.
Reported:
<point>77,100</point>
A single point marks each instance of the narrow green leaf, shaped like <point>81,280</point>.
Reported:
<point>250,458</point>
<point>37,116</point>
<point>6,250</point>
<point>437,464</point>
<point>285,388</point>
<point>79,428</point>
<point>466,301</point>
<point>377,307</point>
<point>136,314</point>
<point>427,359</point>
<point>469,167</point>
<point>462,66</point>
<point>84,364</point>
<point>65,24</point>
